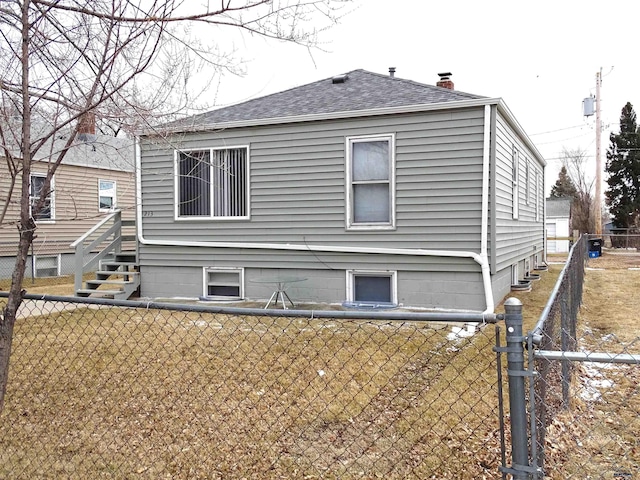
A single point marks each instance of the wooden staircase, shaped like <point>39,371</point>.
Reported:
<point>111,247</point>
<point>118,278</point>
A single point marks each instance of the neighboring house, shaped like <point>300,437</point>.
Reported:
<point>365,188</point>
<point>558,224</point>
<point>96,177</point>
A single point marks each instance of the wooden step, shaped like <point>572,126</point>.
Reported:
<point>97,282</point>
<point>112,263</point>
<point>87,292</point>
<point>124,273</point>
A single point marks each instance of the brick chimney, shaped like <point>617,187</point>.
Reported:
<point>87,123</point>
<point>445,80</point>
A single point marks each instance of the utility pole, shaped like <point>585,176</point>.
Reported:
<point>598,199</point>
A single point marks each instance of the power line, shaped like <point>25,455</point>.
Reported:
<point>557,130</point>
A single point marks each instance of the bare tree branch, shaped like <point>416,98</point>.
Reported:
<point>129,63</point>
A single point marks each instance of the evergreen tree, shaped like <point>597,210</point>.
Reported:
<point>623,169</point>
<point>564,187</point>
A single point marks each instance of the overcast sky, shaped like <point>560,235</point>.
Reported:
<point>540,57</point>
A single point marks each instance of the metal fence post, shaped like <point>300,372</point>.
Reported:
<point>517,399</point>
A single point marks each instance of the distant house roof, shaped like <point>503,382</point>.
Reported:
<point>101,151</point>
<point>559,207</point>
<point>354,91</point>
<point>87,150</point>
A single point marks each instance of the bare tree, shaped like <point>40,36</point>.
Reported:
<point>125,62</point>
<point>582,218</point>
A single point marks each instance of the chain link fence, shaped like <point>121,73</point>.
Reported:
<point>47,258</point>
<point>110,389</point>
<point>586,408</point>
<point>103,389</point>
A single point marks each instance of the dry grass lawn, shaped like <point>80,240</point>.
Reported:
<point>599,437</point>
<point>160,395</point>
<point>110,393</point>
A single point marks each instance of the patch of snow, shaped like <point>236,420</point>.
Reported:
<point>458,333</point>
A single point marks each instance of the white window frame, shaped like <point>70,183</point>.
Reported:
<point>350,222</point>
<point>537,189</point>
<point>58,264</point>
<point>351,290</point>
<point>113,197</point>
<point>52,203</point>
<point>515,155</point>
<point>247,199</point>
<point>529,188</point>
<point>205,282</point>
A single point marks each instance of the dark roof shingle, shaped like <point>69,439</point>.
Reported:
<point>559,207</point>
<point>362,90</point>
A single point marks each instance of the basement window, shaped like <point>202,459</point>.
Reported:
<point>46,266</point>
<point>224,283</point>
<point>371,287</point>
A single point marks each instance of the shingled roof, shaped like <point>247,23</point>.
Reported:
<point>559,207</point>
<point>350,92</point>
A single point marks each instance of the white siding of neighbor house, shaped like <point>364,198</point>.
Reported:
<point>557,227</point>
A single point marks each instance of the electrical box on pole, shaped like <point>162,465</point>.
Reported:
<point>588,106</point>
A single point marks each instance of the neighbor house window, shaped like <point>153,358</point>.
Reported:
<point>224,283</point>
<point>370,287</point>
<point>106,195</point>
<point>516,183</point>
<point>212,183</point>
<point>46,266</point>
<point>35,190</point>
<point>370,182</point>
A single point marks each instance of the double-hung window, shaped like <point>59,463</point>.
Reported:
<point>212,183</point>
<point>370,182</point>
<point>36,184</point>
<point>515,156</point>
<point>106,195</point>
<point>529,187</point>
<point>537,192</point>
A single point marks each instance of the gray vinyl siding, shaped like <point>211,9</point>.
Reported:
<point>521,238</point>
<point>298,195</point>
<point>446,290</point>
<point>297,184</point>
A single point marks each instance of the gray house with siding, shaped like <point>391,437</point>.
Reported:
<point>361,188</point>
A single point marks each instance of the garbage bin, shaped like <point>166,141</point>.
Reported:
<point>595,247</point>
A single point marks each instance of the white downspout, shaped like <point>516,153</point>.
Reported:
<point>484,229</point>
<point>478,258</point>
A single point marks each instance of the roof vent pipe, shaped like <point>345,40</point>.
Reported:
<point>340,78</point>
<point>392,72</point>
